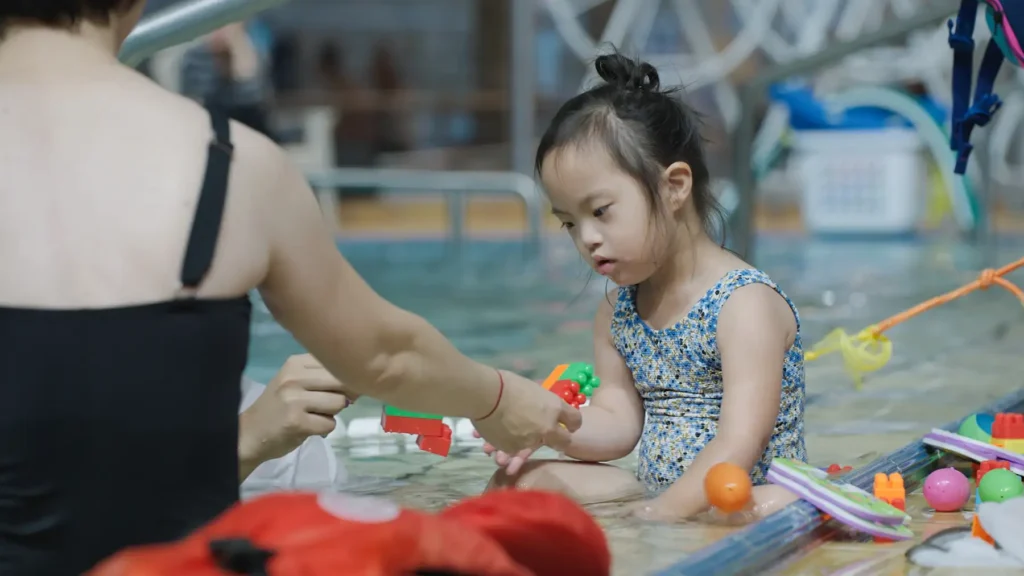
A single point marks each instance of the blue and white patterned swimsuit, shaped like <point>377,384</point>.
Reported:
<point>678,373</point>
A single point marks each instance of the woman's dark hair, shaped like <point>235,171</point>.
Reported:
<point>643,127</point>
<point>60,13</point>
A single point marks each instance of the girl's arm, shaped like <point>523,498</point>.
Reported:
<point>614,419</point>
<point>756,328</point>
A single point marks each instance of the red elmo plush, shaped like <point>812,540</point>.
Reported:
<point>503,533</point>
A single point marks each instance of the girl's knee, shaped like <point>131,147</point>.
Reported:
<point>534,475</point>
<point>586,483</point>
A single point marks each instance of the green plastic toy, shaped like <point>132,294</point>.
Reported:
<point>999,485</point>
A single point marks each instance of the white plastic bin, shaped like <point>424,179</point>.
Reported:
<point>860,181</point>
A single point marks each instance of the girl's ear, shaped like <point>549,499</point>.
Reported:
<point>677,185</point>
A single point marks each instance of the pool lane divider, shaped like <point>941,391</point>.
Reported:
<point>799,528</point>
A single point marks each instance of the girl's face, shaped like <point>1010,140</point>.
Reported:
<point>606,213</point>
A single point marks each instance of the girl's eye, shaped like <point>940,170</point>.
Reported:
<point>567,225</point>
<point>601,211</point>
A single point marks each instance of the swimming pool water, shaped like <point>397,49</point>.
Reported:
<point>500,305</point>
<point>531,315</point>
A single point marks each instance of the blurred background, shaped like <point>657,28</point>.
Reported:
<point>467,85</point>
<point>827,120</point>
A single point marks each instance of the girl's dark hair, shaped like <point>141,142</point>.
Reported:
<point>643,127</point>
<point>60,13</point>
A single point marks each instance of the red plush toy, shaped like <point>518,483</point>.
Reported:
<point>503,533</point>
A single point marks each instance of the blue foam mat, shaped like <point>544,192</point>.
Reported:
<point>756,548</point>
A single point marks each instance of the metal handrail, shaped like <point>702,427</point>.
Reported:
<point>752,92</point>
<point>456,186</point>
<point>185,22</point>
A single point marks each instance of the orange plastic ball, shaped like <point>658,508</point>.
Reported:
<point>727,487</point>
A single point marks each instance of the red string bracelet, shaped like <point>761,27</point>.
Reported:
<point>501,390</point>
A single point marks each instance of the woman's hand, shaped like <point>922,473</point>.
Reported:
<point>300,401</point>
<point>527,417</point>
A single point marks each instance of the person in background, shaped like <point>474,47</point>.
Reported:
<point>389,116</point>
<point>356,126</point>
<point>229,70</point>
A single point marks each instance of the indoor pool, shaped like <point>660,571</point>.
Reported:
<point>529,316</point>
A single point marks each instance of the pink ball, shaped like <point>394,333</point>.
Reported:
<point>947,490</point>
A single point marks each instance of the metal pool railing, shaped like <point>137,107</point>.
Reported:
<point>455,185</point>
<point>185,22</point>
<point>799,527</point>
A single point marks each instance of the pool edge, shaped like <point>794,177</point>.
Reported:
<point>798,528</point>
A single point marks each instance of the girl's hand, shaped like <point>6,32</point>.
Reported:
<point>527,416</point>
<point>512,464</point>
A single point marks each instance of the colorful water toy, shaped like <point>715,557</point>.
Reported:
<point>1008,432</point>
<point>974,449</point>
<point>432,434</point>
<point>999,485</point>
<point>574,382</point>
<point>999,488</point>
<point>947,490</point>
<point>837,470</point>
<point>728,487</point>
<point>977,427</point>
<point>843,502</point>
<point>889,488</point>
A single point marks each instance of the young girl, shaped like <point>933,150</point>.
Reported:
<point>704,345</point>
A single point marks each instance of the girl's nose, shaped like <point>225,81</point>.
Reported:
<point>590,237</point>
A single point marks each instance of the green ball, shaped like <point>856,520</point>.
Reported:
<point>999,485</point>
<point>977,427</point>
<point>595,382</point>
<point>588,370</point>
<point>586,391</point>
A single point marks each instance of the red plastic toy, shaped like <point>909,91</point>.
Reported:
<point>1008,432</point>
<point>432,434</point>
<point>837,470</point>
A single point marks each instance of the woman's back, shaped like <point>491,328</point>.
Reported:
<point>102,172</point>
<point>124,316</point>
<point>133,224</point>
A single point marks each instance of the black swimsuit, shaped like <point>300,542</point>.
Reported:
<point>119,426</point>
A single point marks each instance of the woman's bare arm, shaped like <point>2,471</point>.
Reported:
<point>373,346</point>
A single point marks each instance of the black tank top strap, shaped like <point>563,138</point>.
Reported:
<point>202,241</point>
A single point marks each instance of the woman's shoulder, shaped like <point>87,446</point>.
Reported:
<point>257,162</point>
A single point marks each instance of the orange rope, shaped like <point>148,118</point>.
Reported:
<point>985,280</point>
<point>869,350</point>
